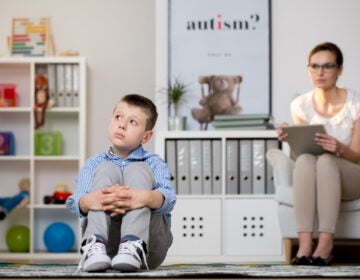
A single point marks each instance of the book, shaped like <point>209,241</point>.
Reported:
<point>240,123</point>
<point>7,143</point>
<point>247,127</point>
<point>242,117</point>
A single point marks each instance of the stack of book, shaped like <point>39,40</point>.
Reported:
<point>243,122</point>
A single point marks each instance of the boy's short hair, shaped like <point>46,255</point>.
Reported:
<point>146,105</point>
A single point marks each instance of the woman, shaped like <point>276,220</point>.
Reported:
<point>321,182</point>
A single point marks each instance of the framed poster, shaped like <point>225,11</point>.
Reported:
<point>226,38</point>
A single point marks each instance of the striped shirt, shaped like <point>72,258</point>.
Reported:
<point>160,170</point>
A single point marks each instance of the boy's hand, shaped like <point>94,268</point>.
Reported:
<point>119,199</point>
<point>115,199</point>
<point>91,201</point>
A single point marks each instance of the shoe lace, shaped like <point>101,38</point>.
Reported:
<point>133,248</point>
<point>90,248</point>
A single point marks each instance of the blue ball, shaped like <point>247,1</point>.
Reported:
<point>59,238</point>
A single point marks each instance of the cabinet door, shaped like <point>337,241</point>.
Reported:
<point>196,232</point>
<point>251,227</point>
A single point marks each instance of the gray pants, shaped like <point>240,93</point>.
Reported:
<point>152,229</point>
<point>320,183</point>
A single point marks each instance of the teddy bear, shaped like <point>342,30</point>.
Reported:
<point>21,199</point>
<point>219,100</point>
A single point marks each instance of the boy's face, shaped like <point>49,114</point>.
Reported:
<point>127,129</point>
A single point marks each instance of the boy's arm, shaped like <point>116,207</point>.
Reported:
<point>83,185</point>
<point>161,199</point>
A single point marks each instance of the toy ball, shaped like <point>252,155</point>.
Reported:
<point>59,237</point>
<point>18,239</point>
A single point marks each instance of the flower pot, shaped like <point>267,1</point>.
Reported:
<point>177,123</point>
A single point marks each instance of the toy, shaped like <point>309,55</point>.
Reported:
<point>42,100</point>
<point>18,239</point>
<point>21,199</point>
<point>62,192</point>
<point>7,143</point>
<point>219,100</point>
<point>59,237</point>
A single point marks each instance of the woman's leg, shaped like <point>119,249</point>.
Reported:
<point>337,179</point>
<point>304,185</point>
<point>328,202</point>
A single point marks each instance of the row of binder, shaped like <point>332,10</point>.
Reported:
<point>63,83</point>
<point>196,165</point>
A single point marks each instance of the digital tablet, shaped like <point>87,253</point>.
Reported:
<point>301,139</point>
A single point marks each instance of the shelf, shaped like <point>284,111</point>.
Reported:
<point>15,109</point>
<point>44,171</point>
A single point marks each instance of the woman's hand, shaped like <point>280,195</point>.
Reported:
<point>282,136</point>
<point>329,143</point>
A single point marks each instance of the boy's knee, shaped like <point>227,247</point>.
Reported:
<point>139,172</point>
<point>138,169</point>
<point>106,167</point>
<point>107,174</point>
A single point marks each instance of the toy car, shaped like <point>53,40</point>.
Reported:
<point>62,192</point>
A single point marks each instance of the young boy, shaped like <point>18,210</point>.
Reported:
<point>125,195</point>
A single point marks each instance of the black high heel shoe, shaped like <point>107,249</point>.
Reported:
<point>302,260</point>
<point>322,261</point>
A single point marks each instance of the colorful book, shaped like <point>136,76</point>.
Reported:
<point>7,143</point>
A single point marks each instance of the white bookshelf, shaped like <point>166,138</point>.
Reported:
<point>223,227</point>
<point>44,171</point>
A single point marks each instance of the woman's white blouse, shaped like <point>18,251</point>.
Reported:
<point>340,126</point>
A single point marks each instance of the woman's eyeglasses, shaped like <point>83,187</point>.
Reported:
<point>328,67</point>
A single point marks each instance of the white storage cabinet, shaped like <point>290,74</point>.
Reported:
<point>221,221</point>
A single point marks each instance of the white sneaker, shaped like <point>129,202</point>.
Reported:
<point>94,256</point>
<point>130,257</point>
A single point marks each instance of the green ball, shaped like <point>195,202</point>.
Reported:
<point>18,239</point>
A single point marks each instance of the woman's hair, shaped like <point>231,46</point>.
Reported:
<point>331,47</point>
<point>146,105</point>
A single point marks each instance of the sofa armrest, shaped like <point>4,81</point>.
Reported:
<point>282,167</point>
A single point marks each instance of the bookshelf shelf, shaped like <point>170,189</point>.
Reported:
<point>44,171</point>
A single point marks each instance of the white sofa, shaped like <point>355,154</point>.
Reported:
<point>348,226</point>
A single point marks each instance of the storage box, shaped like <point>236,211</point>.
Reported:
<point>7,95</point>
<point>48,143</point>
<point>7,143</point>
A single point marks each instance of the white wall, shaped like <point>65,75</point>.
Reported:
<point>118,38</point>
<point>297,26</point>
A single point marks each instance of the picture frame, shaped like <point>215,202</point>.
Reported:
<point>229,37</point>
<point>30,37</point>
